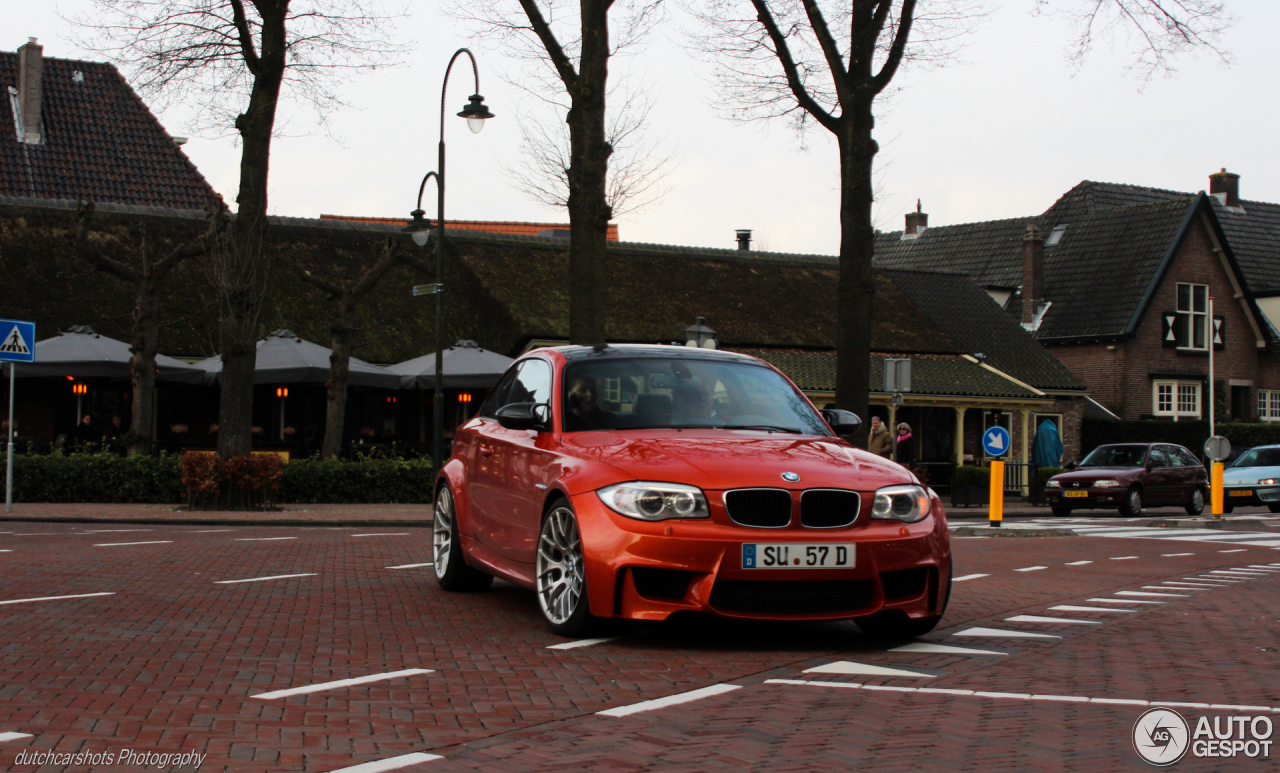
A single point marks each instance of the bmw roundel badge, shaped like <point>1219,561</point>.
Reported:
<point>790,477</point>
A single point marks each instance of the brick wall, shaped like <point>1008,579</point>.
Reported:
<point>1118,373</point>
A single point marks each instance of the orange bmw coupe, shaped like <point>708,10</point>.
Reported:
<point>636,481</point>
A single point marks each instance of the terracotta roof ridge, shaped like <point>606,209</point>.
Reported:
<point>1000,221</point>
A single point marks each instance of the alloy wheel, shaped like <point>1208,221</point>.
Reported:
<point>442,530</point>
<point>559,566</point>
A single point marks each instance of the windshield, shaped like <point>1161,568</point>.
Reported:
<point>1259,457</point>
<point>645,393</point>
<point>1116,456</point>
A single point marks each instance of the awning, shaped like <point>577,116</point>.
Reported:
<point>466,366</point>
<point>82,353</point>
<point>283,358</point>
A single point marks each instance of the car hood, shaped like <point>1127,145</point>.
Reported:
<point>1096,473</point>
<point>726,459</point>
<point>1246,476</point>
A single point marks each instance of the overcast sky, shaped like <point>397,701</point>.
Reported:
<point>1001,136</point>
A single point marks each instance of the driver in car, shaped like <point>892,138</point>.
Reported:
<point>690,401</point>
<point>582,411</point>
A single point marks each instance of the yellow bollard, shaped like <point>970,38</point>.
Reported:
<point>1215,490</point>
<point>996,510</point>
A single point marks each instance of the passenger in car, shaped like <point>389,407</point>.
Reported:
<point>690,401</point>
<point>582,410</point>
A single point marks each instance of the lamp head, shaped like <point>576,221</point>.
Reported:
<point>476,113</point>
<point>419,227</point>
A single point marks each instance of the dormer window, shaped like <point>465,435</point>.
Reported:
<point>1055,236</point>
<point>1193,310</point>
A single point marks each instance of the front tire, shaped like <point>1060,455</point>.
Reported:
<point>1061,512</point>
<point>452,571</point>
<point>1132,505</point>
<point>1274,507</point>
<point>894,623</point>
<point>1196,505</point>
<point>560,576</point>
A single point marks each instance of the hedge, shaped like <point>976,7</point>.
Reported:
<point>971,476</point>
<point>1043,474</point>
<point>1190,434</point>
<point>107,478</point>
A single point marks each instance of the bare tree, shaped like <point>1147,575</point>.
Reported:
<point>347,295</point>
<point>147,278</point>
<point>234,58</point>
<point>573,38</point>
<point>791,59</point>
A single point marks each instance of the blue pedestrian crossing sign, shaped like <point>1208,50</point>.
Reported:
<point>18,343</point>
<point>995,441</point>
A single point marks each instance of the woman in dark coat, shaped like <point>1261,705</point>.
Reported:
<point>906,446</point>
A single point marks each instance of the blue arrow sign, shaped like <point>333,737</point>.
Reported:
<point>17,341</point>
<point>995,441</point>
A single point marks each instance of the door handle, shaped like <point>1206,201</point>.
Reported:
<point>486,450</point>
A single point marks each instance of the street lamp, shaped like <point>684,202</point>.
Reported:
<point>699,335</point>
<point>476,113</point>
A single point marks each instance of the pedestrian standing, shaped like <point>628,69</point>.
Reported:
<point>906,446</point>
<point>879,442</point>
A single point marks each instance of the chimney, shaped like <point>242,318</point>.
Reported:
<point>1032,275</point>
<point>1226,186</point>
<point>30,88</point>
<point>744,239</point>
<point>916,221</point>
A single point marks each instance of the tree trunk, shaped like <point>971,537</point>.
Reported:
<point>339,368</point>
<point>589,211</point>
<point>142,366</point>
<point>857,281</point>
<point>244,269</point>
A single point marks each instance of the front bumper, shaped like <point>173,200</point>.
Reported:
<point>647,571</point>
<point>1092,497</point>
<point>1245,496</point>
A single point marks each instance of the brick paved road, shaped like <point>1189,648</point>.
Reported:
<point>169,662</point>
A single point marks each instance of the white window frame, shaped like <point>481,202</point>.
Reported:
<point>1175,391</point>
<point>1193,316</point>
<point>1269,405</point>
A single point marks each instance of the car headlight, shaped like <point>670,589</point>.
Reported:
<point>649,501</point>
<point>1053,484</point>
<point>1106,484</point>
<point>1267,482</point>
<point>900,503</point>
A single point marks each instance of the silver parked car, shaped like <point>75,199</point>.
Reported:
<point>1253,479</point>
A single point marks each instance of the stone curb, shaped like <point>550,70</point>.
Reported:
<point>987,531</point>
<point>1190,523</point>
<point>347,523</point>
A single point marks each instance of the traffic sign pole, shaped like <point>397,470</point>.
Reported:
<point>1217,449</point>
<point>1215,490</point>
<point>8,466</point>
<point>996,509</point>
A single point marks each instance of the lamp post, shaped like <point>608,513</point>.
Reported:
<point>476,114</point>
<point>699,335</point>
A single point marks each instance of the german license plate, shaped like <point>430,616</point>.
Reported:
<point>796,555</point>
<point>1241,493</point>
<point>1075,493</point>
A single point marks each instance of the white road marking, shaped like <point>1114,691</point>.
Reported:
<point>944,649</point>
<point>1052,620</point>
<point>111,531</point>
<point>865,669</point>
<point>6,551</point>
<point>1245,572</point>
<point>996,633</point>
<point>38,533</point>
<point>1021,696</point>
<point>125,544</point>
<point>1202,578</point>
<point>1175,555</point>
<point>1030,568</point>
<point>57,598</point>
<point>384,534</point>
<point>1237,550</point>
<point>671,700</point>
<point>1265,568</point>
<point>261,539</point>
<point>1144,593</point>
<point>1073,608</point>
<point>14,736</point>
<point>573,645</point>
<point>1078,563</point>
<point>969,577</point>
<point>1122,558</point>
<point>1177,587</point>
<point>391,763</point>
<point>210,531</point>
<point>410,566</point>
<point>1125,601</point>
<point>266,696</point>
<point>1175,584</point>
<point>261,579</point>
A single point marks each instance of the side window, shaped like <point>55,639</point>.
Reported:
<point>1160,457</point>
<point>1187,458</point>
<point>532,384</point>
<point>497,398</point>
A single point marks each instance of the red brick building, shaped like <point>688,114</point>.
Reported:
<point>1117,281</point>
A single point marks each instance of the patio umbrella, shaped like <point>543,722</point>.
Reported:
<point>1048,449</point>
<point>283,358</point>
<point>466,366</point>
<point>82,353</point>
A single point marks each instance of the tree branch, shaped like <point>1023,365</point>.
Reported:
<point>84,215</point>
<point>783,53</point>
<point>390,257</point>
<point>827,42</point>
<point>559,59</point>
<point>246,37</point>
<point>896,50</point>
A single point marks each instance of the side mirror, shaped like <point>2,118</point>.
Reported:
<point>1072,465</point>
<point>520,416</point>
<point>841,422</point>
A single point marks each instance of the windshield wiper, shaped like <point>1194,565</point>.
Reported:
<point>765,427</point>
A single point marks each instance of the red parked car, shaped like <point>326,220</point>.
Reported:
<point>639,481</point>
<point>1129,477</point>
